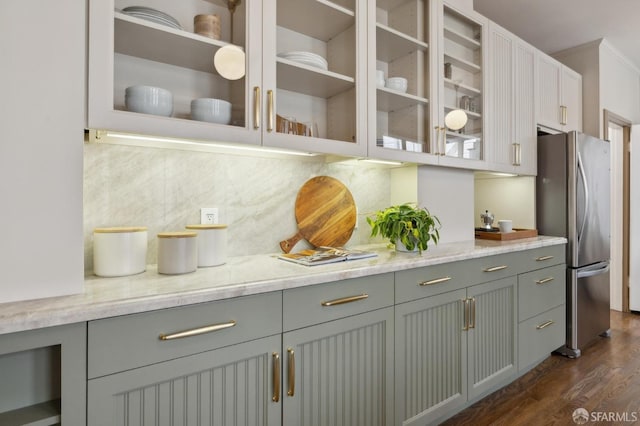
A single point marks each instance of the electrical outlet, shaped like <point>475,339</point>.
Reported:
<point>209,215</point>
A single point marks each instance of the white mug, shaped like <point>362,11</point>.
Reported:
<point>505,225</point>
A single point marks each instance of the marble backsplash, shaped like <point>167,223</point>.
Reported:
<point>164,189</point>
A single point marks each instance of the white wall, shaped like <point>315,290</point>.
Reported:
<point>619,84</point>
<point>507,198</point>
<point>448,194</point>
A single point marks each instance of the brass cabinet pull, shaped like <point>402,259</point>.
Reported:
<point>197,331</point>
<point>519,157</point>
<point>545,280</point>
<point>495,268</point>
<point>465,307</point>
<point>344,300</point>
<point>276,377</point>
<point>514,153</point>
<point>269,110</point>
<point>563,115</point>
<point>256,107</point>
<point>435,281</point>
<point>292,372</point>
<point>543,258</point>
<point>443,130</point>
<point>436,144</point>
<point>472,313</point>
<point>545,325</point>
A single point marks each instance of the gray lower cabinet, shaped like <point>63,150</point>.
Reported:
<point>234,385</point>
<point>214,363</point>
<point>338,353</point>
<point>452,348</point>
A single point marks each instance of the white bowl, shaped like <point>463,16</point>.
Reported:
<point>149,100</point>
<point>397,83</point>
<point>211,110</point>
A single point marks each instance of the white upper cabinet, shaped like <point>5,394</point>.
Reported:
<point>511,132</point>
<point>312,100</point>
<point>559,97</point>
<point>413,40</point>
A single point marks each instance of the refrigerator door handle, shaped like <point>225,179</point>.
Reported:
<point>602,268</point>
<point>586,196</point>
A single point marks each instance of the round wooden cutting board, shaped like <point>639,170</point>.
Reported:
<point>325,213</point>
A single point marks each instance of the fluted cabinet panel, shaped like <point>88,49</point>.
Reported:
<point>549,95</point>
<point>501,98</point>
<point>340,372</point>
<point>226,387</point>
<point>492,339</point>
<point>431,355</point>
<point>524,108</point>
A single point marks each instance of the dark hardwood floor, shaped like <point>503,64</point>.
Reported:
<point>605,381</point>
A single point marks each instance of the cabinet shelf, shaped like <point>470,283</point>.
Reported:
<point>320,19</point>
<point>43,414</point>
<point>457,137</point>
<point>463,88</point>
<point>461,39</point>
<point>391,100</point>
<point>309,80</point>
<point>148,40</point>
<point>471,114</point>
<point>392,44</point>
<point>461,63</point>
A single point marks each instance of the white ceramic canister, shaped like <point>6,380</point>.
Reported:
<point>119,251</point>
<point>212,244</point>
<point>177,252</point>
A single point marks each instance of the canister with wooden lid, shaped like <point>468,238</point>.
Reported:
<point>212,244</point>
<point>207,25</point>
<point>119,251</point>
<point>177,252</point>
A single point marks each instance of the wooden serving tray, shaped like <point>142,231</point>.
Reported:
<point>517,233</point>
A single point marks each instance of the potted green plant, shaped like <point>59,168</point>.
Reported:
<point>408,227</point>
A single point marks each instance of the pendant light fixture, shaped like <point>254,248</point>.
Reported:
<point>230,61</point>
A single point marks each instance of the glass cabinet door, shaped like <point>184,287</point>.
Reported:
<point>462,70</point>
<point>313,80</point>
<point>152,68</point>
<point>399,81</point>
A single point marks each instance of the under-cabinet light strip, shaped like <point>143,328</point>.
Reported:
<point>203,146</point>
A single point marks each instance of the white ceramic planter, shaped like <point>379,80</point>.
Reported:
<point>212,244</point>
<point>401,247</point>
<point>119,251</point>
<point>177,252</point>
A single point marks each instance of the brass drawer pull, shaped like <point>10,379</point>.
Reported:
<point>435,281</point>
<point>276,377</point>
<point>545,324</point>
<point>292,372</point>
<point>543,258</point>
<point>345,300</point>
<point>545,280</point>
<point>496,268</point>
<point>269,110</point>
<point>198,331</point>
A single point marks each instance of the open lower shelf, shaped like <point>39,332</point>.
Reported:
<point>44,414</point>
<point>457,137</point>
<point>145,39</point>
<point>310,80</point>
<point>471,114</point>
<point>461,63</point>
<point>464,89</point>
<point>319,19</point>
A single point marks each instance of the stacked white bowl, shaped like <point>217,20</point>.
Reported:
<point>211,110</point>
<point>397,83</point>
<point>149,100</point>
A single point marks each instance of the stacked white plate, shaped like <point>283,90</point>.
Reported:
<point>152,15</point>
<point>306,58</point>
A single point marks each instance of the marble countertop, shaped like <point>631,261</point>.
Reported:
<point>240,276</point>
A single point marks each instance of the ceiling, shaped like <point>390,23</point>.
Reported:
<point>552,25</point>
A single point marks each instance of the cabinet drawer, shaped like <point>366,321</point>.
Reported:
<point>130,341</point>
<point>541,335</point>
<point>542,257</point>
<point>416,283</point>
<point>325,302</point>
<point>541,290</point>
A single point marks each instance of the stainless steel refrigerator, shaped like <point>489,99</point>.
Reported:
<point>572,201</point>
